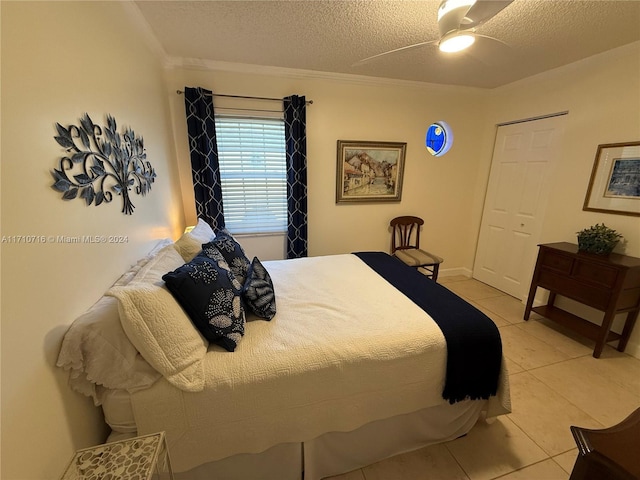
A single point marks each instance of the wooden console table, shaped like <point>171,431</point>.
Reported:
<point>610,284</point>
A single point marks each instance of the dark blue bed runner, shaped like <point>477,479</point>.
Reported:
<point>474,348</point>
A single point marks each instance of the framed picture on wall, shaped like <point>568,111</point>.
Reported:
<point>614,186</point>
<point>369,171</point>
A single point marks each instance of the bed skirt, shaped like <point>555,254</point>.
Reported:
<point>340,452</point>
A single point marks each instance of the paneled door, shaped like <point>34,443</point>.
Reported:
<point>524,157</point>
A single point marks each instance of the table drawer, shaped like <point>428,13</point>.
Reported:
<point>589,295</point>
<point>595,273</point>
<point>556,261</point>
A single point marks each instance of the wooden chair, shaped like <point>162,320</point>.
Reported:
<point>405,245</point>
<point>609,453</point>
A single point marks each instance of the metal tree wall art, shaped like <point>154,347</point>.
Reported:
<point>101,162</point>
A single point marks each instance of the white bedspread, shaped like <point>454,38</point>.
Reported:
<point>345,348</point>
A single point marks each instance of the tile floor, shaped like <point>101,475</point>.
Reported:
<point>555,383</point>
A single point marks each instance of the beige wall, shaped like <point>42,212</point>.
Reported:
<point>60,60</point>
<point>438,189</point>
<point>602,96</point>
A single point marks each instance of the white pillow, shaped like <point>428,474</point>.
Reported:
<point>133,271</point>
<point>96,351</point>
<point>158,327</point>
<point>190,244</point>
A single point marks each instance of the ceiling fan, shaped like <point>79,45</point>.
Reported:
<point>457,23</point>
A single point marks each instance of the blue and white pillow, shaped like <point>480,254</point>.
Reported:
<point>259,294</point>
<point>209,292</point>
<point>232,252</point>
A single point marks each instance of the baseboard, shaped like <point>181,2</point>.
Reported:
<point>452,272</point>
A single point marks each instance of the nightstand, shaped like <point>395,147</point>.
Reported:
<point>138,458</point>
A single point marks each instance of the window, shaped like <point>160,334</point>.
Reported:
<point>253,173</point>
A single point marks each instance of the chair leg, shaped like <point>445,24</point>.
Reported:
<point>435,272</point>
<point>432,271</point>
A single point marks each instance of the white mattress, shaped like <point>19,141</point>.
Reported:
<point>344,349</point>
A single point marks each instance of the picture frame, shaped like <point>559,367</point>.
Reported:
<point>369,171</point>
<point>614,186</point>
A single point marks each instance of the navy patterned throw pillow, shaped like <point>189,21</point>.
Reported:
<point>232,252</point>
<point>211,295</point>
<point>258,293</point>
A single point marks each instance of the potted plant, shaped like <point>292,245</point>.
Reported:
<point>598,239</point>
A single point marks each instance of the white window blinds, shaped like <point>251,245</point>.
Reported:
<point>253,173</point>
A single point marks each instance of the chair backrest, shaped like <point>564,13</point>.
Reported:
<point>406,232</point>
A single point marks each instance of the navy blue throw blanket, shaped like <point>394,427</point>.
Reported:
<point>474,348</point>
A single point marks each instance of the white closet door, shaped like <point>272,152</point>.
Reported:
<point>524,157</point>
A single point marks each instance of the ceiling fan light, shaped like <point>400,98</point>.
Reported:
<point>456,42</point>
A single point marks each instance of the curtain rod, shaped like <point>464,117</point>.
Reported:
<point>308,102</point>
<point>235,109</point>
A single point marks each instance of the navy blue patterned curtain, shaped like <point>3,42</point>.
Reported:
<point>205,167</point>
<point>295,131</point>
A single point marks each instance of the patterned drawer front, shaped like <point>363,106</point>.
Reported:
<point>595,273</point>
<point>595,297</point>
<point>561,263</point>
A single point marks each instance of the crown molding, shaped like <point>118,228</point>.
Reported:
<point>213,65</point>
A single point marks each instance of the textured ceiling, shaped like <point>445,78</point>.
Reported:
<point>332,36</point>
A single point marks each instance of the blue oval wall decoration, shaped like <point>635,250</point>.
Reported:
<point>100,162</point>
<point>439,138</point>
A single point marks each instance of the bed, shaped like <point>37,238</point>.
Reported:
<point>364,358</point>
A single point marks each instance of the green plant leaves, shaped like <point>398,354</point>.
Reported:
<point>598,239</point>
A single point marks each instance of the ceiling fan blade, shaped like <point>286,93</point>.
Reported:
<point>504,44</point>
<point>408,47</point>
<point>482,11</point>
<point>489,51</point>
<point>451,14</point>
